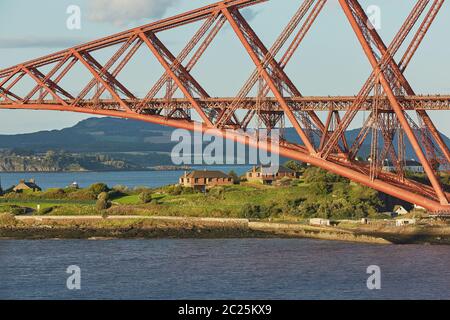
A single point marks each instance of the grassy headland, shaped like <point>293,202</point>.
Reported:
<point>267,211</point>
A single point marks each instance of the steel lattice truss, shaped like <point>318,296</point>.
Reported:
<point>386,94</point>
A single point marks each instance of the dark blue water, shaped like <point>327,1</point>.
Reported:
<point>221,269</point>
<point>130,179</point>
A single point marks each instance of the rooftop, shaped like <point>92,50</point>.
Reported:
<point>206,174</point>
<point>30,184</point>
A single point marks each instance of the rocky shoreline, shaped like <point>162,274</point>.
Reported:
<point>123,227</point>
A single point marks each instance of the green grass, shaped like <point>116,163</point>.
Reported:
<point>231,202</point>
<point>128,200</point>
<point>228,201</point>
<point>36,201</point>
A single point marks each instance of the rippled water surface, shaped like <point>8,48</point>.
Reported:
<point>220,269</point>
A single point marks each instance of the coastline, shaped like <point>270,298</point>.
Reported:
<point>154,227</point>
<point>155,168</point>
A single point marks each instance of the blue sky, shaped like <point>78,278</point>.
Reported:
<point>329,61</point>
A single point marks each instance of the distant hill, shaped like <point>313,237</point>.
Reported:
<point>62,161</point>
<point>95,135</point>
<point>111,135</point>
<point>291,135</point>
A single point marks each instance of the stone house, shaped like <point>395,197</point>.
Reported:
<point>267,175</point>
<point>27,185</point>
<point>202,180</point>
<point>409,165</point>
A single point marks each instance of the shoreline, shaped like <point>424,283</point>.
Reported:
<point>151,169</point>
<point>156,227</point>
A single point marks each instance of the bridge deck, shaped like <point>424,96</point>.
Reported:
<point>325,103</point>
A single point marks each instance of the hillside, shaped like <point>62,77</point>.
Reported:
<point>95,135</point>
<point>61,161</point>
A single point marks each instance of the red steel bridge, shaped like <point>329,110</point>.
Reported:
<point>268,99</point>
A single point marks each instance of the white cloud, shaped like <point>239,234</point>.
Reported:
<point>249,13</point>
<point>122,12</point>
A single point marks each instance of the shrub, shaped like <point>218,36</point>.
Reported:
<point>46,210</point>
<point>217,193</point>
<point>102,204</point>
<point>84,194</point>
<point>17,211</point>
<point>250,211</point>
<point>314,174</point>
<point>11,195</point>
<point>271,210</point>
<point>146,196</point>
<point>98,188</point>
<point>103,196</point>
<point>308,209</point>
<point>120,188</point>
<point>361,194</point>
<point>139,189</point>
<point>54,194</point>
<point>285,181</point>
<point>321,188</point>
<point>294,203</point>
<point>175,190</point>
<point>188,190</point>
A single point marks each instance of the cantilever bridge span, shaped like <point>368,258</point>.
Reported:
<point>268,99</point>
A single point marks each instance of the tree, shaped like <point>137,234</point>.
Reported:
<point>296,166</point>
<point>103,202</point>
<point>98,188</point>
<point>146,196</point>
<point>233,175</point>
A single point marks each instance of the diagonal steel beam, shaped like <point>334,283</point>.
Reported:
<point>47,78</point>
<point>398,72</point>
<point>370,83</point>
<point>184,54</point>
<point>96,75</point>
<point>249,39</point>
<point>348,8</point>
<point>274,50</point>
<point>42,84</point>
<point>108,65</point>
<point>49,83</point>
<point>63,73</point>
<point>108,77</point>
<point>4,92</point>
<point>158,26</point>
<point>156,48</point>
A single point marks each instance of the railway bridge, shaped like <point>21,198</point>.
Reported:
<point>268,99</point>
